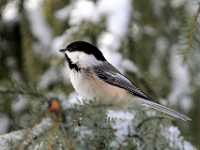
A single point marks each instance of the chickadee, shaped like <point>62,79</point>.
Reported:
<point>93,77</point>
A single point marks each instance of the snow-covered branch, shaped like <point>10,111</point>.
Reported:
<point>23,138</point>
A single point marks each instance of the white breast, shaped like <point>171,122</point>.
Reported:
<point>82,85</point>
<point>90,87</point>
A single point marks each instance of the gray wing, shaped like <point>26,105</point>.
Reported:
<point>111,75</point>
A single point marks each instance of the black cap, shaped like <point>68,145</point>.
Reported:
<point>85,47</point>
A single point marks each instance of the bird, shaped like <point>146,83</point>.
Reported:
<point>93,77</point>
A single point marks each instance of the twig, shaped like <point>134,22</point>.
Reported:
<point>148,119</point>
<point>6,91</point>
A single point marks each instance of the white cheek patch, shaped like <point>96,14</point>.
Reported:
<point>73,56</point>
<point>82,59</point>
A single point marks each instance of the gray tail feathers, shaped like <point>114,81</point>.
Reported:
<point>165,110</point>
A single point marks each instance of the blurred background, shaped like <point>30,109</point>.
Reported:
<point>156,43</point>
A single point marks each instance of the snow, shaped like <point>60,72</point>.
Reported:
<point>83,132</point>
<point>4,123</point>
<point>175,140</point>
<point>19,104</point>
<point>72,100</point>
<point>180,90</point>
<point>122,123</point>
<point>63,13</point>
<point>191,7</point>
<point>130,66</point>
<point>60,41</point>
<point>15,138</point>
<point>52,75</point>
<point>118,15</point>
<point>10,12</point>
<point>109,42</point>
<point>39,26</point>
<point>83,10</point>
<point>57,44</point>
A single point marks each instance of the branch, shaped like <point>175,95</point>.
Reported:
<point>23,138</point>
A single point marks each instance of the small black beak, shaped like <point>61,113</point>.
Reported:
<point>62,50</point>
